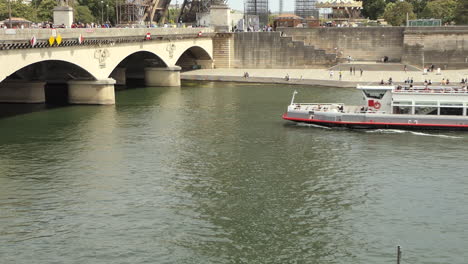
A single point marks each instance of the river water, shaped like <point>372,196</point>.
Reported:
<point>210,173</point>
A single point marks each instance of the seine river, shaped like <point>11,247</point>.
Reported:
<point>210,173</point>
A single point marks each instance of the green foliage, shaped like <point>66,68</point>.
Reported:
<point>172,15</point>
<point>18,9</point>
<point>395,13</point>
<point>83,14</point>
<point>442,9</point>
<point>271,19</point>
<point>100,9</point>
<point>418,6</point>
<point>461,15</point>
<point>44,10</point>
<point>373,9</point>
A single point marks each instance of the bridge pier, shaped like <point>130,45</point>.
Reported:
<point>21,91</point>
<point>99,92</point>
<point>119,75</point>
<point>169,76</point>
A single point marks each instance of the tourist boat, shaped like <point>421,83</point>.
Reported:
<point>390,107</point>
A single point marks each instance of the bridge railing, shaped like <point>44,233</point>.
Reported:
<point>20,38</point>
<point>45,33</point>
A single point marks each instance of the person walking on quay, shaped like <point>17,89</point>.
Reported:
<point>361,72</point>
<point>405,68</point>
<point>350,70</point>
<point>331,74</point>
<point>354,70</point>
<point>340,75</point>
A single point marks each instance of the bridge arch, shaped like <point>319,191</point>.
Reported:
<point>42,82</point>
<point>134,58</point>
<point>46,69</point>
<point>193,58</point>
<point>133,66</point>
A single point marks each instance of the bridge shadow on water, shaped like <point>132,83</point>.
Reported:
<point>56,95</point>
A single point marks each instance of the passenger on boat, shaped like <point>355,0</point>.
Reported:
<point>382,82</point>
<point>341,108</point>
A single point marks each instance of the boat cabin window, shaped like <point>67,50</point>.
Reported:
<point>376,94</point>
<point>402,107</point>
<point>451,108</point>
<point>425,108</point>
<point>402,110</point>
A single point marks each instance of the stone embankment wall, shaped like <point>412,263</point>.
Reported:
<point>361,43</point>
<point>271,50</point>
<point>445,47</point>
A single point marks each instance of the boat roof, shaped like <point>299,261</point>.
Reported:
<point>375,87</point>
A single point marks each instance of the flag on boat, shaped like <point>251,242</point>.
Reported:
<point>33,41</point>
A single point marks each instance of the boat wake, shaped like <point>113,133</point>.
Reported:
<point>312,125</point>
<point>398,131</point>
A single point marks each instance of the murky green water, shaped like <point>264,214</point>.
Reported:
<point>210,173</point>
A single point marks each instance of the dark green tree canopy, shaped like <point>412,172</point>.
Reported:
<point>373,9</point>
<point>395,13</point>
<point>442,9</point>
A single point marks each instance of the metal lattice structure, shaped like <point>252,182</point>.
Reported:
<point>349,9</point>
<point>141,11</point>
<point>306,8</point>
<point>259,8</point>
<point>190,8</point>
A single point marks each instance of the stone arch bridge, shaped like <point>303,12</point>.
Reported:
<point>89,62</point>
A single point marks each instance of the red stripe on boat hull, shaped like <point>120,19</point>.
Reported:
<point>374,125</point>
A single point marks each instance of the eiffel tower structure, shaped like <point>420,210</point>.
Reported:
<point>190,8</point>
<point>141,11</point>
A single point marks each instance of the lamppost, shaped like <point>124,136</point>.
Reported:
<point>116,12</point>
<point>107,13</point>
<point>102,12</point>
<point>9,13</point>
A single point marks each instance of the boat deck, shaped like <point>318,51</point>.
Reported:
<point>332,107</point>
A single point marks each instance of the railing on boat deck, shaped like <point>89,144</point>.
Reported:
<point>317,106</point>
<point>439,90</point>
<point>335,106</point>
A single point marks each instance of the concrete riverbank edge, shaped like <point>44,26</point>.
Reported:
<point>272,80</point>
<point>321,77</point>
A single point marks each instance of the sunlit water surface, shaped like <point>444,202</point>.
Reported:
<point>210,173</point>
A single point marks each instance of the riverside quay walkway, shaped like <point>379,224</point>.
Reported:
<point>90,61</point>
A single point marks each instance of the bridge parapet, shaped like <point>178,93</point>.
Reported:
<point>14,36</point>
